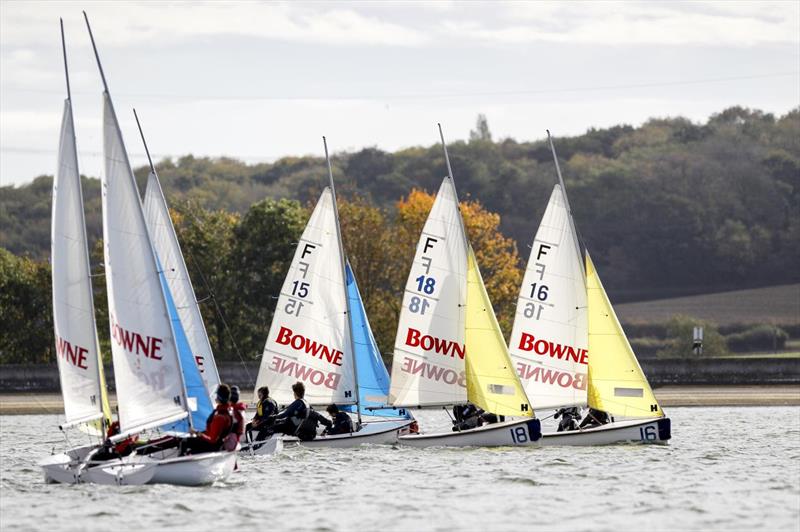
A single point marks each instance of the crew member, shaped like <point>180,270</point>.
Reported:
<point>594,418</point>
<point>219,425</point>
<point>569,418</point>
<point>237,410</point>
<point>289,420</point>
<point>340,422</point>
<point>266,409</point>
<point>467,416</point>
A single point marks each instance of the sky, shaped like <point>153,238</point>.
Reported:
<point>257,81</point>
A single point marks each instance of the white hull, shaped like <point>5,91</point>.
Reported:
<point>192,470</point>
<point>374,433</point>
<point>525,432</point>
<point>273,445</point>
<point>633,431</point>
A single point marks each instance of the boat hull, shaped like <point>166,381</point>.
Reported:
<point>273,445</point>
<point>193,470</point>
<point>518,433</point>
<point>374,433</point>
<point>656,431</point>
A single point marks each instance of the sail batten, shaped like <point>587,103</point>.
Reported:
<point>549,340</point>
<point>617,384</point>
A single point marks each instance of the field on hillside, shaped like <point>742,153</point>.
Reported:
<point>774,305</point>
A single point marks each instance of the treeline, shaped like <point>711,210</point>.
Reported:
<point>668,208</point>
<point>237,264</point>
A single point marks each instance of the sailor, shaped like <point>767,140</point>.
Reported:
<point>218,427</point>
<point>569,418</point>
<point>109,450</point>
<point>594,418</point>
<point>237,410</point>
<point>289,420</point>
<point>340,421</point>
<point>467,416</point>
<point>266,409</point>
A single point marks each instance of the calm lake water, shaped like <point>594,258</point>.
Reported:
<point>726,468</point>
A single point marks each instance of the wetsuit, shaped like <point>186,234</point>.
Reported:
<point>290,419</point>
<point>594,418</point>
<point>569,418</point>
<point>341,424</point>
<point>267,408</point>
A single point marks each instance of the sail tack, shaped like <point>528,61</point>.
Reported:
<point>147,370</point>
<point>176,274</point>
<point>617,384</point>
<point>428,366</point>
<point>492,383</point>
<point>309,339</point>
<point>549,341</point>
<point>79,361</point>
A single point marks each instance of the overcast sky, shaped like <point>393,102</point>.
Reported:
<point>258,81</point>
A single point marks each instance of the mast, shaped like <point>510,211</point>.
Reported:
<point>141,133</point>
<point>344,279</point>
<point>156,268</point>
<point>566,200</point>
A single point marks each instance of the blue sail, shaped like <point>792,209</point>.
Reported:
<point>195,387</point>
<point>373,379</point>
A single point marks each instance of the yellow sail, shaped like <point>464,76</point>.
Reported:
<point>97,427</point>
<point>492,383</point>
<point>617,384</point>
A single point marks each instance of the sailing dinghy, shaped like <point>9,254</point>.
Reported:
<point>568,345</point>
<point>154,375</point>
<point>80,365</point>
<point>311,336</point>
<point>449,349</point>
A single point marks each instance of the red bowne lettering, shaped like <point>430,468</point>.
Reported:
<point>300,343</point>
<point>415,338</point>
<point>201,363</point>
<point>564,379</point>
<point>540,346</point>
<point>433,372</point>
<point>304,373</point>
<point>74,354</point>
<point>134,342</point>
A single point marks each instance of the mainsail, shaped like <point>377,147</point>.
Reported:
<point>549,341</point>
<point>309,339</point>
<point>176,274</point>
<point>617,384</point>
<point>492,383</point>
<point>79,361</point>
<point>373,379</point>
<point>428,364</point>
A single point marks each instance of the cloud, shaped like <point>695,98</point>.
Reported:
<point>131,23</point>
<point>638,23</point>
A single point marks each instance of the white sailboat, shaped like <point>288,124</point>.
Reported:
<point>569,347</point>
<point>80,363</point>
<point>151,388</point>
<point>449,348</point>
<point>310,339</point>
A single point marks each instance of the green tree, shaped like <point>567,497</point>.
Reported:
<point>680,334</point>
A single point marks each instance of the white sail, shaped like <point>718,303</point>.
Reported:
<point>309,338</point>
<point>149,383</point>
<point>165,242</point>
<point>78,354</point>
<point>549,340</point>
<point>428,365</point>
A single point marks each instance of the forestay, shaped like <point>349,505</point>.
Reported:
<point>146,367</point>
<point>309,339</point>
<point>549,340</point>
<point>79,361</point>
<point>617,384</point>
<point>428,365</point>
<point>373,379</point>
<point>176,274</point>
<point>492,383</point>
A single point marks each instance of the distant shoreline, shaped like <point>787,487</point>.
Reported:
<point>27,403</point>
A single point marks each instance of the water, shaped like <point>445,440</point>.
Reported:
<point>726,468</point>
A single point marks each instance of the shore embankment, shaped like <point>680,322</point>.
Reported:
<point>672,395</point>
